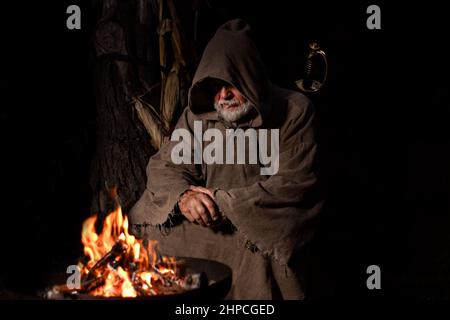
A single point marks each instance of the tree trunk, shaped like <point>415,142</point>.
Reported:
<point>126,65</point>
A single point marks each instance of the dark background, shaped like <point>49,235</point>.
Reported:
<point>384,139</point>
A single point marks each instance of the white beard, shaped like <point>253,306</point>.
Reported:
<point>232,115</point>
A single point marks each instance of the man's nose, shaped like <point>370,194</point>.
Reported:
<point>225,93</point>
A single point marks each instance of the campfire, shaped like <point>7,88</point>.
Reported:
<point>116,264</point>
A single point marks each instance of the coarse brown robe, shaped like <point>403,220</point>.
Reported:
<point>270,215</point>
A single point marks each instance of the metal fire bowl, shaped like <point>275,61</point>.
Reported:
<point>218,274</point>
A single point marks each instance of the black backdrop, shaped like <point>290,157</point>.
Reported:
<point>383,133</point>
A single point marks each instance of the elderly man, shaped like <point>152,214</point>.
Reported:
<point>232,211</point>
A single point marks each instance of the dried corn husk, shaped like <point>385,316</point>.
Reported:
<point>171,96</point>
<point>151,121</point>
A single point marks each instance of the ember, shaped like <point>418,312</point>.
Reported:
<point>119,265</point>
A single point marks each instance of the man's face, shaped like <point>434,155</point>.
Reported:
<point>229,102</point>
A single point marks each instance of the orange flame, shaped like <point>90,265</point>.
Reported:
<point>120,280</point>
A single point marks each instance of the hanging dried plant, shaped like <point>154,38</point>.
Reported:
<point>151,121</point>
<point>173,83</point>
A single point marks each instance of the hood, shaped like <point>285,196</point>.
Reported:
<point>231,56</point>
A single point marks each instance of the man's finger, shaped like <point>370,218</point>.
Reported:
<point>210,205</point>
<point>202,190</point>
<point>188,216</point>
<point>195,217</point>
<point>201,215</point>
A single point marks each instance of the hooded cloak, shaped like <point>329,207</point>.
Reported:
<point>269,217</point>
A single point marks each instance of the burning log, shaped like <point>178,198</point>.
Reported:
<point>117,250</point>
